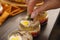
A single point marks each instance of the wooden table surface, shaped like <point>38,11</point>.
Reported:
<point>13,23</point>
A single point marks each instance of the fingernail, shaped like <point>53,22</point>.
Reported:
<point>34,14</point>
<point>31,15</point>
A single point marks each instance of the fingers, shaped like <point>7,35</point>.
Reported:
<point>27,1</point>
<point>46,6</point>
<point>30,6</point>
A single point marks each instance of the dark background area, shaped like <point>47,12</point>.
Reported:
<point>55,34</point>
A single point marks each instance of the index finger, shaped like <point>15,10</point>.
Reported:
<point>30,6</point>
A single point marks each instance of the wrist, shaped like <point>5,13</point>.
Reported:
<point>59,3</point>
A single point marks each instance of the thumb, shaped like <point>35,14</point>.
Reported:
<point>46,6</point>
<point>30,6</point>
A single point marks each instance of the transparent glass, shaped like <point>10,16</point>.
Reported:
<point>42,17</point>
<point>33,26</point>
<point>20,35</point>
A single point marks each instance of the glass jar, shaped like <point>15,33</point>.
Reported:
<point>30,26</point>
<point>42,17</point>
<point>20,35</point>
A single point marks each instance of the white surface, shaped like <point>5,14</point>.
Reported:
<point>52,15</point>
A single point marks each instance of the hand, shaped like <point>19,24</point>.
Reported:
<point>48,4</point>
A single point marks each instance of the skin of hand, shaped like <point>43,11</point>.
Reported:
<point>48,4</point>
